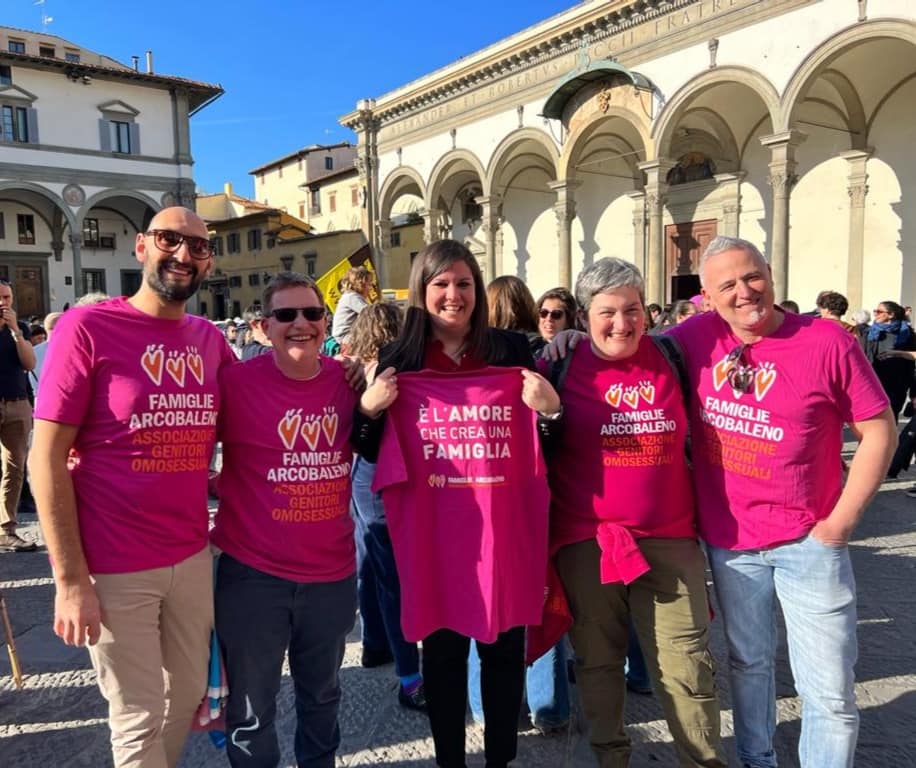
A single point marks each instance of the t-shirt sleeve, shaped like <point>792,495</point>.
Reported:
<point>391,467</point>
<point>65,387</point>
<point>856,389</point>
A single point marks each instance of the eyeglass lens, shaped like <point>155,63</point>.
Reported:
<point>288,314</point>
<point>170,241</point>
<point>555,314</point>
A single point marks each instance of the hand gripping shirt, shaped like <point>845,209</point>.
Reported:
<point>284,489</point>
<point>766,462</point>
<point>465,492</point>
<point>143,392</point>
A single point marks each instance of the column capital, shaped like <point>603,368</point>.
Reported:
<point>564,187</point>
<point>431,225</point>
<point>657,170</point>
<point>790,138</point>
<point>76,239</point>
<point>384,234</point>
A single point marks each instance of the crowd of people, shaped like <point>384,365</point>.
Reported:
<point>490,478</point>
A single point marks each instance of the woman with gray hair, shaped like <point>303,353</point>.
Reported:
<point>623,532</point>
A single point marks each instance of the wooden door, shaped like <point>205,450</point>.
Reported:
<point>28,292</point>
<point>683,245</point>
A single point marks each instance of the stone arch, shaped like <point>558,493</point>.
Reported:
<point>107,194</point>
<point>577,141</point>
<point>396,181</point>
<point>463,158</point>
<point>37,189</point>
<point>504,153</point>
<point>819,61</point>
<point>679,104</point>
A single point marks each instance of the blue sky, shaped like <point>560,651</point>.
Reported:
<point>290,68</point>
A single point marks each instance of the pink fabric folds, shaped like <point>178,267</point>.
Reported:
<point>621,559</point>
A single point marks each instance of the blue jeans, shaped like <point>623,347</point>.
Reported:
<point>259,617</point>
<point>817,591</point>
<point>546,688</point>
<point>372,537</point>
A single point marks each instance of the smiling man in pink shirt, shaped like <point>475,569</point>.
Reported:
<point>773,390</point>
<point>124,431</point>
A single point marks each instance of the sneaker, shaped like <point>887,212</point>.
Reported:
<point>10,542</point>
<point>549,729</point>
<point>415,700</point>
<point>371,659</point>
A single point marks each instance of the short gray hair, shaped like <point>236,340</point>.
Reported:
<point>861,316</point>
<point>722,243</point>
<point>604,276</point>
<point>88,299</point>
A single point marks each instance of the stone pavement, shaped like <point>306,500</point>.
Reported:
<point>58,719</point>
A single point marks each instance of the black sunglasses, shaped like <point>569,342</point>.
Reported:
<point>170,241</point>
<point>740,375</point>
<point>288,314</point>
<point>555,314</point>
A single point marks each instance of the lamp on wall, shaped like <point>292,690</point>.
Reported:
<point>77,75</point>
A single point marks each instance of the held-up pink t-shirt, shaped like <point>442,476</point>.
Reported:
<point>465,492</point>
<point>621,458</point>
<point>284,489</point>
<point>767,462</point>
<point>143,392</point>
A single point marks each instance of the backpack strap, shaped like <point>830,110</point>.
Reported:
<point>673,353</point>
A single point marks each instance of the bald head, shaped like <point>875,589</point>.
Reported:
<point>179,219</point>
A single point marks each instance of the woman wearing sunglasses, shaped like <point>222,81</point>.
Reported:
<point>469,540</point>
<point>286,576</point>
<point>556,312</point>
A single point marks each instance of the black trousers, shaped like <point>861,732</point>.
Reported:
<point>502,680</point>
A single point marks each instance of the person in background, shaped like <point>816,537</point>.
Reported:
<point>556,312</point>
<point>891,333</point>
<point>512,308</point>
<point>378,586</point>
<point>654,312</point>
<point>17,358</point>
<point>256,342</point>
<point>354,298</point>
<point>37,334</point>
<point>833,307</point>
<point>790,306</point>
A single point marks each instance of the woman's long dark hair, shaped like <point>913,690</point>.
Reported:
<point>408,351</point>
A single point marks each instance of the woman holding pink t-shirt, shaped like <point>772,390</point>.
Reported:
<point>446,331</point>
<point>623,524</point>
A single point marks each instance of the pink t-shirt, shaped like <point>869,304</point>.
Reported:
<point>143,392</point>
<point>767,462</point>
<point>621,457</point>
<point>465,493</point>
<point>284,489</point>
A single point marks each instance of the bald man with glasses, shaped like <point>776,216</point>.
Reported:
<point>125,428</point>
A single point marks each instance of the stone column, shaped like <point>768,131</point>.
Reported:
<point>730,193</point>
<point>565,210</point>
<point>76,243</point>
<point>432,223</point>
<point>490,223</point>
<point>384,234</point>
<point>656,190</point>
<point>781,179</point>
<point>639,229</point>
<point>366,126</point>
<point>858,190</point>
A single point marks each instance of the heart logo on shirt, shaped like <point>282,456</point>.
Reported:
<point>195,364</point>
<point>612,396</point>
<point>288,428</point>
<point>647,391</point>
<point>720,373</point>
<point>151,362</point>
<point>175,367</point>
<point>763,380</point>
<point>631,397</point>
<point>436,481</point>
<point>329,427</point>
<point>310,431</point>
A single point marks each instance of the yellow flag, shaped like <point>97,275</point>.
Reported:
<point>329,283</point>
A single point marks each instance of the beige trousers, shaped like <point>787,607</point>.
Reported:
<point>152,657</point>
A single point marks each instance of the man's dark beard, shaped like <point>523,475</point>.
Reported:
<point>172,292</point>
